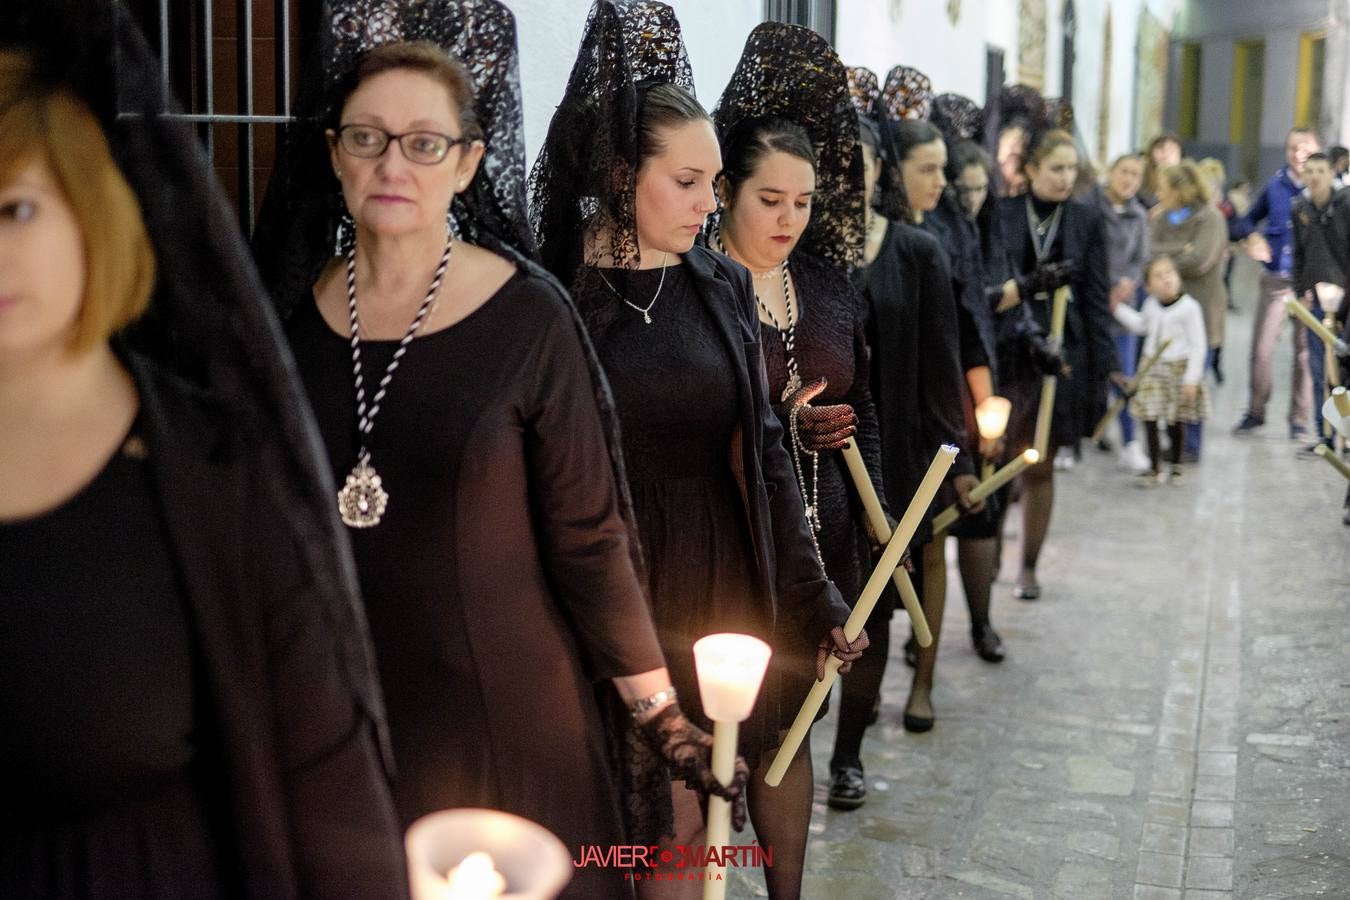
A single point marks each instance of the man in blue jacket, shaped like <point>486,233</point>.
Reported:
<point>1275,248</point>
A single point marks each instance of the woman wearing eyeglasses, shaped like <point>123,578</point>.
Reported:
<point>466,427</point>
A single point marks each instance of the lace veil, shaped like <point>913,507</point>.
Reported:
<point>790,72</point>
<point>586,172</point>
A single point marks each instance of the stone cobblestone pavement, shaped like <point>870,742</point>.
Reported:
<point>1173,718</point>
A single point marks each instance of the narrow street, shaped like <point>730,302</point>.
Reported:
<point>1173,717</point>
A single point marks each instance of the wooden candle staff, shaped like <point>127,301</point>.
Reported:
<point>867,600</point>
<point>1336,462</point>
<point>1304,315</point>
<point>876,516</point>
<point>982,491</point>
<point>1131,389</point>
<point>1058,311</point>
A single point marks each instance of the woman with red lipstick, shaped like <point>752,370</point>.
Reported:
<point>493,546</point>
<point>626,171</point>
<point>1053,241</point>
<point>791,195</point>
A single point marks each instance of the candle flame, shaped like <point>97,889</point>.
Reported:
<point>474,879</point>
<point>1031,456</point>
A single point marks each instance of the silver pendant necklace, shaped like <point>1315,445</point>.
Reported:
<point>645,310</point>
<point>363,500</point>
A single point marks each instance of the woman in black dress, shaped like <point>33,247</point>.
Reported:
<point>189,706</point>
<point>921,157</point>
<point>621,189</point>
<point>492,550</point>
<point>791,193</point>
<point>915,375</point>
<point>1053,241</point>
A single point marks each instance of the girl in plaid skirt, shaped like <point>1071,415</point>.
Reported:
<point>1173,391</point>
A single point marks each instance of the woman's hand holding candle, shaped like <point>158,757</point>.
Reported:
<point>837,644</point>
<point>821,427</point>
<point>687,751</point>
<point>965,484</point>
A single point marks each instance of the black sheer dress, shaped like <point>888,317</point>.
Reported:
<point>690,513</point>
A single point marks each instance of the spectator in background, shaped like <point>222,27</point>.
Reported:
<point>1127,249</point>
<point>1163,151</point>
<point>1275,249</point>
<point>1321,220</point>
<point>1190,231</point>
<point>1217,176</point>
<point>1340,164</point>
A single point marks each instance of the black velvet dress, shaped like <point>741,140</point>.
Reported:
<point>499,584</point>
<point>676,399</point>
<point>103,800</point>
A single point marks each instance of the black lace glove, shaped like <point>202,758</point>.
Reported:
<point>687,751</point>
<point>1047,359</point>
<point>1045,278</point>
<point>835,644</point>
<point>820,427</point>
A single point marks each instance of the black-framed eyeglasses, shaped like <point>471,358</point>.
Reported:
<point>426,148</point>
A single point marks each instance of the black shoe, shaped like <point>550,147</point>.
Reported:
<point>988,645</point>
<point>917,724</point>
<point>912,652</point>
<point>1248,424</point>
<point>848,789</point>
<point>1027,591</point>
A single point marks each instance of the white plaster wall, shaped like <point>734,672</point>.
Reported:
<point>1216,90</point>
<point>870,34</point>
<point>1280,87</point>
<point>550,33</point>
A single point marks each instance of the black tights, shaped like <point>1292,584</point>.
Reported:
<point>1176,433</point>
<point>860,692</point>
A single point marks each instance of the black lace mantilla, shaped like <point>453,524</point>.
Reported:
<point>865,91</point>
<point>958,118</point>
<point>908,93</point>
<point>298,228</point>
<point>586,173</point>
<point>792,73</point>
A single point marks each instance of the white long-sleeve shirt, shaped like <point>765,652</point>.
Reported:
<point>1182,321</point>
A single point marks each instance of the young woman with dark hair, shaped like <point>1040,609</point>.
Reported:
<point>726,542</point>
<point>1054,241</point>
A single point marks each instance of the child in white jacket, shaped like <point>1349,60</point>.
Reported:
<point>1173,391</point>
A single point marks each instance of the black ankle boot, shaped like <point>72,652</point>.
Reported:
<point>848,788</point>
<point>988,645</point>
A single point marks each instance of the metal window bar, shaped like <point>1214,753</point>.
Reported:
<point>202,107</point>
<point>817,15</point>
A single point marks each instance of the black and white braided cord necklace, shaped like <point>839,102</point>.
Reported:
<point>363,500</point>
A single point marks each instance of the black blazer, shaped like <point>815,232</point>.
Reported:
<point>917,379</point>
<point>805,604</point>
<point>294,702</point>
<point>1082,239</point>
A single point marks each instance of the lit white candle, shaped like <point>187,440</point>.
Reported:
<point>730,670</point>
<point>876,517</point>
<point>475,854</point>
<point>867,600</point>
<point>991,418</point>
<point>986,488</point>
<point>474,879</point>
